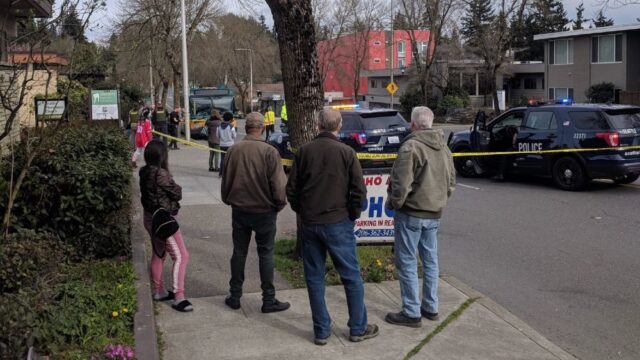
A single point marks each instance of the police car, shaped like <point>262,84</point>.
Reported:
<point>558,126</point>
<point>371,133</point>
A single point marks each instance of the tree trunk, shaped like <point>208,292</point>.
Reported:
<point>176,90</point>
<point>165,91</point>
<point>295,30</point>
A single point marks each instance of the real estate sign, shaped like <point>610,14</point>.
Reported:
<point>104,105</point>
<point>375,225</point>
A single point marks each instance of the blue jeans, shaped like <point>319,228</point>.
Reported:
<point>412,235</point>
<point>339,241</point>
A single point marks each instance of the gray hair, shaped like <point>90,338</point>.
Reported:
<point>329,120</point>
<point>254,120</point>
<point>422,117</point>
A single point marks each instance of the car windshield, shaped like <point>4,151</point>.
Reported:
<point>386,120</point>
<point>624,119</point>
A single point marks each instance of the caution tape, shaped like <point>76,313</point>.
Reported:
<point>540,152</point>
<point>387,156</point>
<point>190,143</point>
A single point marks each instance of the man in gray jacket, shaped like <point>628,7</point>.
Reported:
<point>422,179</point>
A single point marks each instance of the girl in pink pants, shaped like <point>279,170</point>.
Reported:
<point>158,190</point>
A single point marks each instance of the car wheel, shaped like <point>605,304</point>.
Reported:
<point>626,179</point>
<point>464,165</point>
<point>568,174</point>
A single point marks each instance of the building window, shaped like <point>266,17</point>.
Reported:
<point>422,47</point>
<point>530,84</point>
<point>376,61</point>
<point>560,93</point>
<point>373,83</point>
<point>402,63</point>
<point>377,43</point>
<point>561,52</point>
<point>606,49</point>
<point>401,51</point>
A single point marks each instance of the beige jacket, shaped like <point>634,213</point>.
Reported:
<point>423,176</point>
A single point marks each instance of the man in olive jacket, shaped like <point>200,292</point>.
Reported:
<point>327,189</point>
<point>422,179</point>
<point>253,183</point>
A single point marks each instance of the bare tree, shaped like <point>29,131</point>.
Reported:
<point>157,23</point>
<point>434,16</point>
<point>331,25</point>
<point>495,38</point>
<point>17,81</point>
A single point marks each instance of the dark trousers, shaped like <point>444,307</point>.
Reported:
<point>214,156</point>
<point>264,225</point>
<point>270,129</point>
<point>161,126</point>
<point>223,148</point>
<point>173,131</point>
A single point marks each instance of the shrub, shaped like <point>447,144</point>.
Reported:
<point>601,93</point>
<point>408,101</point>
<point>78,188</point>
<point>27,256</point>
<point>453,102</point>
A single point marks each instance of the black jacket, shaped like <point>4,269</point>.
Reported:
<point>325,184</point>
<point>158,189</point>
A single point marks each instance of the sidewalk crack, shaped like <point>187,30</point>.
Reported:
<point>452,317</point>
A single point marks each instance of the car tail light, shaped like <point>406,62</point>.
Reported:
<point>360,138</point>
<point>611,138</point>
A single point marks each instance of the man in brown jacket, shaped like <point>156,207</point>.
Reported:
<point>253,183</point>
<point>326,188</point>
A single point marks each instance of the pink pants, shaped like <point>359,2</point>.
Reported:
<point>178,252</point>
<point>139,151</point>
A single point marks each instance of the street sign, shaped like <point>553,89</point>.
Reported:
<point>375,225</point>
<point>104,105</point>
<point>392,88</point>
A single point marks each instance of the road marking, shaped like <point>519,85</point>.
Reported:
<point>469,186</point>
<point>635,186</point>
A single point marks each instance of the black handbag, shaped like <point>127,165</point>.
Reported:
<point>163,224</point>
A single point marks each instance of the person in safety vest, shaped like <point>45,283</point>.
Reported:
<point>284,119</point>
<point>269,121</point>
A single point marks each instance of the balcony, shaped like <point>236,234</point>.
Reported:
<point>24,8</point>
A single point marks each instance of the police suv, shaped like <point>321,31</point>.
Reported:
<point>560,126</point>
<point>373,134</point>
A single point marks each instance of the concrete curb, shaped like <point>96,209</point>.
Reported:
<point>144,319</point>
<point>508,317</point>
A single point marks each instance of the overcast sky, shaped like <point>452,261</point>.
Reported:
<point>101,24</point>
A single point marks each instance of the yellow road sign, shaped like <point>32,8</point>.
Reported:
<point>392,88</point>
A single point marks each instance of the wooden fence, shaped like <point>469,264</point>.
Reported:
<point>630,97</point>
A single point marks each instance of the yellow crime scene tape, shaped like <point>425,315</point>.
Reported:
<point>373,156</point>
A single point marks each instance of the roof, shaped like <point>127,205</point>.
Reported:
<point>587,32</point>
<point>37,58</point>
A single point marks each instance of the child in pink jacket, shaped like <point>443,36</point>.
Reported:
<point>143,135</point>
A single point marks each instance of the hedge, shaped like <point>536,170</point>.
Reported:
<point>77,188</point>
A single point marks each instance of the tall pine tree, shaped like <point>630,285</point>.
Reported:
<point>601,20</point>
<point>479,13</point>
<point>72,26</point>
<point>546,16</point>
<point>578,22</point>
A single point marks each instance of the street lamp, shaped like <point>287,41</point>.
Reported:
<point>250,76</point>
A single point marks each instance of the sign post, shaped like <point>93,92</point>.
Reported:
<point>392,88</point>
<point>50,110</point>
<point>104,105</point>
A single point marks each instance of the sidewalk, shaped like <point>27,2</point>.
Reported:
<point>484,330</point>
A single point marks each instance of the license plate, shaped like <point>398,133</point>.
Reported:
<point>393,139</point>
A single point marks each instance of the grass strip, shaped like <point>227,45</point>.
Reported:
<point>454,315</point>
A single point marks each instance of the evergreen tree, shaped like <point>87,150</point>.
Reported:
<point>72,26</point>
<point>400,22</point>
<point>263,23</point>
<point>479,13</point>
<point>601,20</point>
<point>546,16</point>
<point>577,23</point>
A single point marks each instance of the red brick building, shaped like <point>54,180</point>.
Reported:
<point>340,59</point>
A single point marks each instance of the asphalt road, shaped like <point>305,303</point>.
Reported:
<point>567,263</point>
